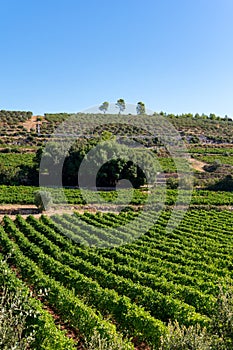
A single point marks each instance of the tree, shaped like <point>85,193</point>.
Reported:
<point>114,161</point>
<point>141,108</point>
<point>104,107</point>
<point>212,116</point>
<point>121,105</point>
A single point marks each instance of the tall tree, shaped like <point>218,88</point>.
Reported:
<point>104,107</point>
<point>121,105</point>
<point>141,108</point>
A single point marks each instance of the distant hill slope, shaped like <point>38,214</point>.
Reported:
<point>22,128</point>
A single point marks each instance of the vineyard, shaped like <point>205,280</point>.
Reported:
<point>92,272</point>
<point>116,175</point>
<point>25,195</point>
<point>128,293</point>
<point>222,159</point>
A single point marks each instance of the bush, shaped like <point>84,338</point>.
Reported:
<point>172,183</point>
<point>222,320</point>
<point>43,200</point>
<point>218,336</point>
<point>212,167</point>
<point>225,184</point>
<point>182,338</point>
<point>98,343</point>
<point>13,321</point>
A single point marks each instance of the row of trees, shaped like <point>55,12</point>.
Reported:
<point>141,109</point>
<point>202,116</point>
<point>120,104</point>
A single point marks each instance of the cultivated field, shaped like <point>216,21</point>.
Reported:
<point>80,277</point>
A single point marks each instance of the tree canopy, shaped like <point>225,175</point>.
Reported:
<point>141,109</point>
<point>104,107</point>
<point>121,105</point>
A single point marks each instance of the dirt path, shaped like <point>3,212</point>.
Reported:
<point>13,209</point>
<point>32,123</point>
<point>197,165</point>
<point>24,210</point>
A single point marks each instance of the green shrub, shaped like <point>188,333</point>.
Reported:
<point>218,336</point>
<point>13,321</point>
<point>43,200</point>
<point>225,184</point>
<point>185,338</point>
<point>172,183</point>
<point>98,343</point>
<point>222,320</point>
<point>212,167</point>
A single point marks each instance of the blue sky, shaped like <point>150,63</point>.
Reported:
<point>68,55</point>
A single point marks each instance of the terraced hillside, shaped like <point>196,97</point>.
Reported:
<point>208,140</point>
<point>195,129</point>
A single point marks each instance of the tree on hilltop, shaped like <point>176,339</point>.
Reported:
<point>121,105</point>
<point>141,108</point>
<point>104,107</point>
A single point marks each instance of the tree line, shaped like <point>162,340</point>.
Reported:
<point>120,104</point>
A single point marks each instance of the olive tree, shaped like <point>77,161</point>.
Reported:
<point>141,108</point>
<point>104,107</point>
<point>121,105</point>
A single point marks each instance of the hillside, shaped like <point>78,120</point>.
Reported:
<point>21,128</point>
<point>208,139</point>
<point>115,273</point>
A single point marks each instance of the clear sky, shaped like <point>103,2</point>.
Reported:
<point>68,55</point>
